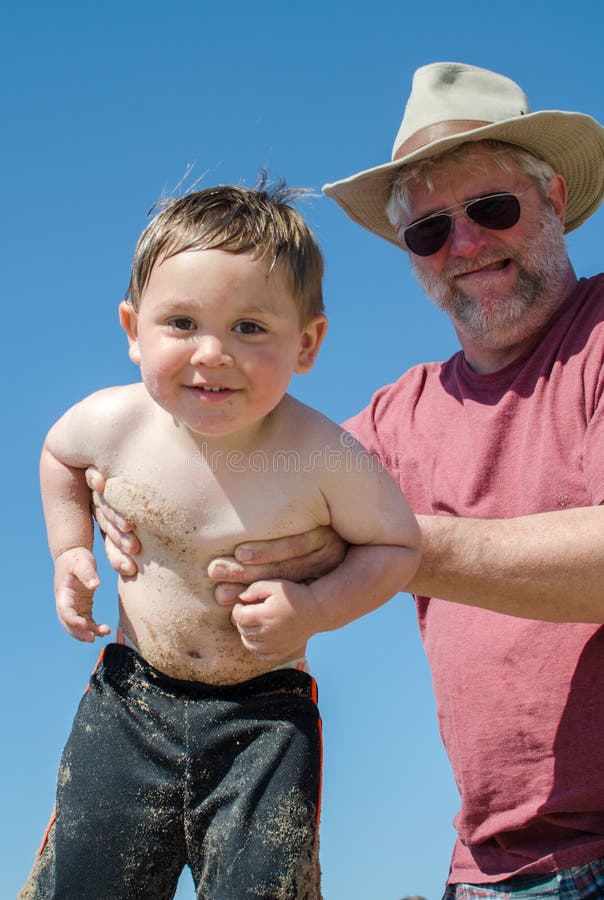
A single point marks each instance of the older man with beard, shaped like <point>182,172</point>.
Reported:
<point>499,287</point>
<point>501,453</point>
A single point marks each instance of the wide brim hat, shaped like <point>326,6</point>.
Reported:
<point>453,103</point>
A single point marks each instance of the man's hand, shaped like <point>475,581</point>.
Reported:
<point>299,557</point>
<point>76,580</point>
<point>276,618</point>
<point>118,535</point>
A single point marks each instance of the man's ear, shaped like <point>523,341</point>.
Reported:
<point>129,322</point>
<point>312,337</point>
<point>557,194</point>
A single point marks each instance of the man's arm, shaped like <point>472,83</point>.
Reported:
<point>547,566</point>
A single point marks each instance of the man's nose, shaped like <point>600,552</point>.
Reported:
<point>467,238</point>
<point>210,351</point>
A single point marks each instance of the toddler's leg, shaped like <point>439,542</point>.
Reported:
<point>254,831</point>
<point>118,833</point>
<point>40,884</point>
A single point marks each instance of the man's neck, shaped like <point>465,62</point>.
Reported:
<point>485,357</point>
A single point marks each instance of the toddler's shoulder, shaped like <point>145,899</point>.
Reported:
<point>110,411</point>
<point>307,425</point>
<point>116,403</point>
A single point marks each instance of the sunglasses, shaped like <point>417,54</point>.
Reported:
<point>495,211</point>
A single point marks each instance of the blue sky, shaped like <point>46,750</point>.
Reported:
<point>104,107</point>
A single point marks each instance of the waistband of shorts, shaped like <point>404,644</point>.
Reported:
<point>119,658</point>
<point>582,877</point>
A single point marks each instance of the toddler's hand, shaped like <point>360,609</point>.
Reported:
<point>275,619</point>
<point>76,580</point>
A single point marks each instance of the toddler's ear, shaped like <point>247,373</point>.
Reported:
<point>129,322</point>
<point>312,337</point>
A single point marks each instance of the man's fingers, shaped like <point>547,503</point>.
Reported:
<point>95,480</point>
<point>301,568</point>
<point>228,594</point>
<point>113,525</point>
<point>286,548</point>
<point>226,568</point>
<point>301,557</point>
<point>119,560</point>
<point>118,529</point>
<point>120,542</point>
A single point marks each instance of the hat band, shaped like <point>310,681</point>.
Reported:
<point>436,132</point>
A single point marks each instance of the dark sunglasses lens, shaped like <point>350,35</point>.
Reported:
<point>427,237</point>
<point>498,212</point>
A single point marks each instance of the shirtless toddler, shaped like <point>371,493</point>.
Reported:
<point>198,741</point>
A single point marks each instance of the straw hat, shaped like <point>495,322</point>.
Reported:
<point>452,103</point>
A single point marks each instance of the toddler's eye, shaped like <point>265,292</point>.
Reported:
<point>248,328</point>
<point>181,323</point>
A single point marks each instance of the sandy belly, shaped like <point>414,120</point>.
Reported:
<point>168,610</point>
<point>183,634</point>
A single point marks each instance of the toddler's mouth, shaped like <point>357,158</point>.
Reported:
<point>214,390</point>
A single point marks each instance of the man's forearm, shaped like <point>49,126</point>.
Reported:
<point>547,566</point>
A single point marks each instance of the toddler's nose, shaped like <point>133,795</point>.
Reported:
<point>210,351</point>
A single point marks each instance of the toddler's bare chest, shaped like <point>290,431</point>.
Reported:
<point>195,511</point>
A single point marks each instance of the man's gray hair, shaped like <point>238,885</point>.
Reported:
<point>507,157</point>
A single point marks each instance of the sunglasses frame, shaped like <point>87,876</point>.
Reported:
<point>451,211</point>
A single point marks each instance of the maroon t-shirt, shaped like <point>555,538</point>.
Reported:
<point>520,703</point>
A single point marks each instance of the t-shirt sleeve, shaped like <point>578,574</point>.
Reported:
<point>363,426</point>
<point>385,426</point>
<point>593,454</point>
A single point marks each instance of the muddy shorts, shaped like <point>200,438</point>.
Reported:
<point>159,773</point>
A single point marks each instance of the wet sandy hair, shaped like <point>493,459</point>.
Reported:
<point>260,221</point>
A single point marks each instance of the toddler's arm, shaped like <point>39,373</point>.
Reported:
<point>69,525</point>
<point>276,618</point>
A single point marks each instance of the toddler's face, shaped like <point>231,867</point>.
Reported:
<point>218,338</point>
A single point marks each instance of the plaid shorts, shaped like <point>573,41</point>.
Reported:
<point>577,883</point>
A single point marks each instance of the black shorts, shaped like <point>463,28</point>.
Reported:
<point>159,773</point>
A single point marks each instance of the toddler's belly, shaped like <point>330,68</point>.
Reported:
<point>183,634</point>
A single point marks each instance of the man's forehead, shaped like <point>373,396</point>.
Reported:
<point>454,178</point>
<point>473,159</point>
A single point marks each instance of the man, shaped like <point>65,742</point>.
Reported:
<point>499,452</point>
